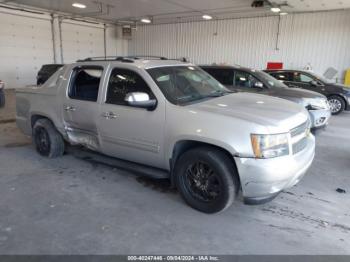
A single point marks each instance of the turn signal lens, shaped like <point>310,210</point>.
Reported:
<point>269,146</point>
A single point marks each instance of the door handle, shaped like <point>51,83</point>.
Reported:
<point>70,108</point>
<point>109,115</point>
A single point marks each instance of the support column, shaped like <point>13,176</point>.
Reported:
<point>56,39</point>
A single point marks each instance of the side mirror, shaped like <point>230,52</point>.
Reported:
<point>259,85</point>
<point>140,99</point>
<point>314,83</point>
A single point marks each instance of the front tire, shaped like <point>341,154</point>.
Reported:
<point>337,104</point>
<point>48,141</point>
<point>207,179</point>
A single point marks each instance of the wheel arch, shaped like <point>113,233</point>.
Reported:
<point>340,96</point>
<point>35,117</point>
<point>183,146</point>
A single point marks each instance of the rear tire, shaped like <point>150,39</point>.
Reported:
<point>48,141</point>
<point>337,104</point>
<point>207,179</point>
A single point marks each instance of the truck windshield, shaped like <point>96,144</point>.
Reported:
<point>184,84</point>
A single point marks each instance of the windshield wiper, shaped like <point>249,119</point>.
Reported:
<point>196,97</point>
<point>219,93</point>
<point>189,98</point>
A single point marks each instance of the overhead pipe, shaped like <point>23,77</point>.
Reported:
<point>53,38</point>
<point>61,41</point>
<point>105,40</point>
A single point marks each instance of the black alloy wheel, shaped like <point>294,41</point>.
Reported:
<point>47,140</point>
<point>202,182</point>
<point>207,179</point>
<point>42,141</point>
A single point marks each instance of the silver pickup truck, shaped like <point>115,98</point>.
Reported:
<point>175,119</point>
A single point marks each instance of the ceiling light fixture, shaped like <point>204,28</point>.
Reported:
<point>146,20</point>
<point>79,5</point>
<point>275,9</point>
<point>283,13</point>
<point>207,17</point>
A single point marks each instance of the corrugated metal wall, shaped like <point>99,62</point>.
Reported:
<point>321,39</point>
<point>116,45</point>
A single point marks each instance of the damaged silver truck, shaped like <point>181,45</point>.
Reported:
<point>173,118</point>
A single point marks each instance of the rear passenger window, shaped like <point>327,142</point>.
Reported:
<point>85,83</point>
<point>122,82</point>
<point>298,77</point>
<point>224,76</point>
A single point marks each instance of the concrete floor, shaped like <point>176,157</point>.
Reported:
<point>72,206</point>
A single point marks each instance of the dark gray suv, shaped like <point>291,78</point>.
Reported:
<point>255,81</point>
<point>338,95</point>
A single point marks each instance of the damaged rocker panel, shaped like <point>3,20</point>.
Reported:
<point>80,137</point>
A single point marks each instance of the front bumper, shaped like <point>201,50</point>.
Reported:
<point>319,118</point>
<point>263,179</point>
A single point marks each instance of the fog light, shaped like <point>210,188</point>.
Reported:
<point>320,121</point>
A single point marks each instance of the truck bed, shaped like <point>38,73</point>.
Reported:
<point>34,100</point>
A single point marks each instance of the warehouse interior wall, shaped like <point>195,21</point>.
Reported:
<point>29,40</point>
<point>320,40</point>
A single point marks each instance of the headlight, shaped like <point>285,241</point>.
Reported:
<point>269,146</point>
<point>316,104</point>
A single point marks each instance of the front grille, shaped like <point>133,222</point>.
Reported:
<point>299,129</point>
<point>299,146</point>
<point>300,134</point>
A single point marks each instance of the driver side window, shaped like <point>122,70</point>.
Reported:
<point>244,79</point>
<point>122,82</point>
<point>302,78</point>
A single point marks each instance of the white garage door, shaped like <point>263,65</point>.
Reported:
<point>25,44</point>
<point>81,41</point>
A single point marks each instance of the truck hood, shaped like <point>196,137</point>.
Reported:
<point>275,114</point>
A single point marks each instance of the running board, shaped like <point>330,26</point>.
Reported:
<point>94,157</point>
